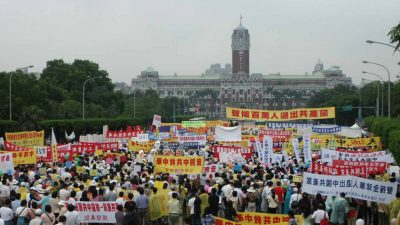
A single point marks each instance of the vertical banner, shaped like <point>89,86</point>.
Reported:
<point>295,143</point>
<point>307,147</point>
<point>259,150</point>
<point>285,156</point>
<point>267,150</point>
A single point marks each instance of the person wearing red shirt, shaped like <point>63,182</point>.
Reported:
<point>279,192</point>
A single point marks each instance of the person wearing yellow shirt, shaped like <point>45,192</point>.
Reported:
<point>204,201</point>
<point>154,207</point>
<point>394,207</point>
<point>23,191</point>
<point>164,195</point>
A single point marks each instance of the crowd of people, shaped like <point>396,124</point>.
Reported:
<point>143,197</point>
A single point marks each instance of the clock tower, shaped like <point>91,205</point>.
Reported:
<point>240,49</point>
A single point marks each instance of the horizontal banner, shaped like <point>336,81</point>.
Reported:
<point>96,212</point>
<point>26,138</point>
<point>360,171</point>
<point>186,124</point>
<point>354,187</point>
<point>327,156</point>
<point>178,164</point>
<point>120,134</point>
<point>341,163</point>
<point>275,133</point>
<point>201,139</point>
<point>245,152</point>
<point>24,157</point>
<point>251,218</point>
<point>137,146</point>
<point>326,130</point>
<point>281,115</point>
<point>288,125</point>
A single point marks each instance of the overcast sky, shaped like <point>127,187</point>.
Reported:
<point>184,36</point>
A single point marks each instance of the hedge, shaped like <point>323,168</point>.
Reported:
<point>388,130</point>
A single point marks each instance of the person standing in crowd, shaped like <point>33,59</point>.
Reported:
<point>154,208</point>
<point>61,220</point>
<point>320,214</point>
<point>194,204</point>
<point>204,200</point>
<point>272,202</point>
<point>279,191</point>
<point>340,208</point>
<point>174,210</point>
<point>251,199</point>
<point>130,216</point>
<point>47,216</point>
<point>119,215</point>
<point>21,213</point>
<point>294,201</point>
<point>207,218</point>
<point>213,202</point>
<point>6,212</point>
<point>142,203</point>
<point>72,216</point>
<point>4,192</point>
<point>37,220</point>
<point>307,217</point>
<point>394,207</point>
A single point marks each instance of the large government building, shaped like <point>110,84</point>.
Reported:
<point>234,86</point>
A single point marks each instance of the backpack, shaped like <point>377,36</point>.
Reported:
<point>251,197</point>
<point>295,203</point>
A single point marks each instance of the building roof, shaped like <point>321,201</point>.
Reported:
<point>293,77</point>
<point>189,77</point>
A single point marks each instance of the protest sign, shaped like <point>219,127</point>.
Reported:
<point>228,133</point>
<point>137,146</point>
<point>355,187</point>
<point>250,218</point>
<point>26,138</point>
<point>13,147</point>
<point>156,121</point>
<point>210,170</point>
<point>143,137</point>
<point>96,212</point>
<point>201,139</point>
<point>178,164</point>
<point>307,148</point>
<point>267,149</point>
<point>24,157</point>
<point>295,143</point>
<point>6,162</point>
<point>196,124</point>
<point>245,152</point>
<point>275,133</point>
<point>120,134</point>
<point>280,115</point>
<point>324,130</point>
<point>353,170</point>
<point>327,156</point>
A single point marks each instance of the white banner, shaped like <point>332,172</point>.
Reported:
<point>96,212</point>
<point>327,156</point>
<point>157,121</point>
<point>285,156</point>
<point>267,150</point>
<point>201,139</point>
<point>295,143</point>
<point>228,133</point>
<point>210,170</point>
<point>6,162</point>
<point>355,187</point>
<point>143,137</point>
<point>307,148</point>
<point>259,149</point>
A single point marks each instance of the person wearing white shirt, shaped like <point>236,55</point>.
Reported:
<point>320,214</point>
<point>295,197</point>
<point>72,216</point>
<point>227,189</point>
<point>4,191</point>
<point>64,193</point>
<point>6,213</point>
<point>264,196</point>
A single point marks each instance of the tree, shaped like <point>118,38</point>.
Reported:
<point>394,35</point>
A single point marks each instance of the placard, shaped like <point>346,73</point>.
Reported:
<point>24,157</point>
<point>157,121</point>
<point>178,164</point>
<point>26,138</point>
<point>251,218</point>
<point>196,124</point>
<point>96,212</point>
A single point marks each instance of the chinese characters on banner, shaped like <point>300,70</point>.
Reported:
<point>210,170</point>
<point>355,169</point>
<point>355,187</point>
<point>26,138</point>
<point>44,154</point>
<point>201,139</point>
<point>186,124</point>
<point>178,164</point>
<point>307,147</point>
<point>24,157</point>
<point>143,137</point>
<point>281,115</point>
<point>275,133</point>
<point>6,162</point>
<point>325,130</point>
<point>245,152</point>
<point>250,218</point>
<point>96,212</point>
<point>295,143</point>
<point>381,166</point>
<point>13,147</point>
<point>136,146</point>
<point>267,149</point>
<point>287,125</point>
<point>120,134</point>
<point>327,156</point>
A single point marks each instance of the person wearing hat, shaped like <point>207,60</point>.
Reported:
<point>251,199</point>
<point>37,220</point>
<point>63,208</point>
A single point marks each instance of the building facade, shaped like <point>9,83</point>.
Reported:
<point>235,86</point>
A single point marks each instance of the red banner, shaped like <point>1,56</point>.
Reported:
<point>246,152</point>
<point>380,166</point>
<point>360,171</point>
<point>13,147</point>
<point>46,156</point>
<point>121,134</point>
<point>275,133</point>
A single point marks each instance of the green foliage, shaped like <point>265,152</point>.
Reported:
<point>394,35</point>
<point>7,126</point>
<point>389,131</point>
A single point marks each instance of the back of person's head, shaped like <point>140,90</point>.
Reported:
<point>155,190</point>
<point>34,205</point>
<point>320,206</point>
<point>7,202</point>
<point>398,195</point>
<point>121,194</point>
<point>119,207</point>
<point>140,190</point>
<point>73,194</point>
<point>23,202</point>
<point>18,196</point>
<point>213,190</point>
<point>174,195</point>
<point>62,219</point>
<point>47,208</point>
<point>291,214</point>
<point>71,207</point>
<point>234,193</point>
<point>342,194</point>
<point>130,196</point>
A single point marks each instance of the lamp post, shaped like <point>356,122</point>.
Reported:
<point>377,98</point>
<point>381,43</point>
<point>24,70</point>
<point>374,74</point>
<point>388,72</point>
<point>83,95</point>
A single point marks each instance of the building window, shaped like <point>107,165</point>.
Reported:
<point>241,91</point>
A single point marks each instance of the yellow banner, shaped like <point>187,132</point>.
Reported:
<point>137,146</point>
<point>26,138</point>
<point>178,164</point>
<point>325,141</point>
<point>80,169</point>
<point>24,157</point>
<point>281,115</point>
<point>251,218</point>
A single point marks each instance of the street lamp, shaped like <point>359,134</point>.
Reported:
<point>374,74</point>
<point>24,70</point>
<point>83,95</point>
<point>381,43</point>
<point>377,98</point>
<point>388,72</point>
